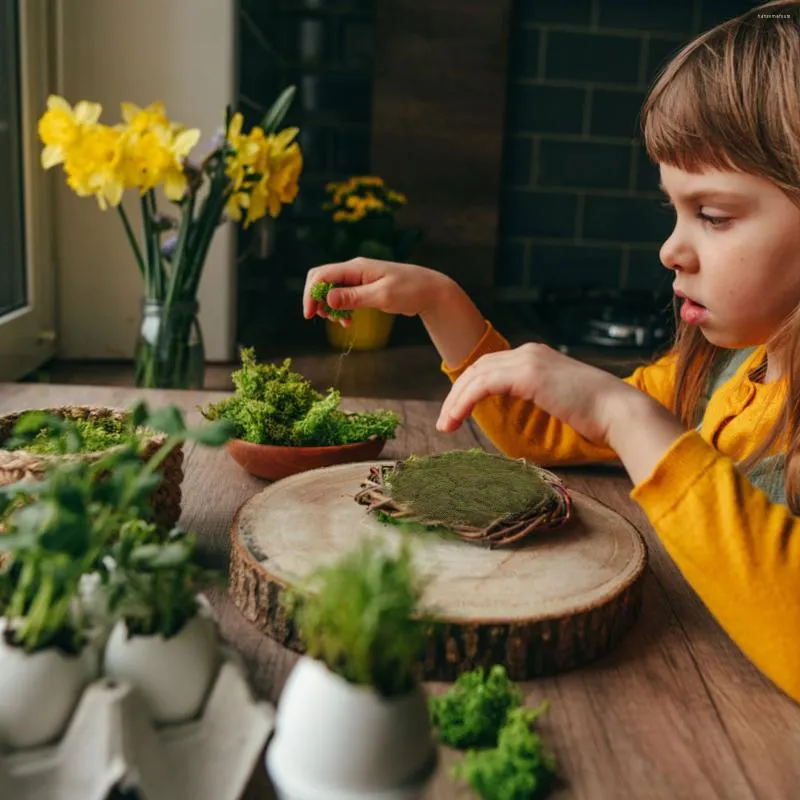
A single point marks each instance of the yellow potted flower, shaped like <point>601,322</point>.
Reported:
<point>241,177</point>
<point>361,222</point>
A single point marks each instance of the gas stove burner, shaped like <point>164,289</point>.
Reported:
<point>635,320</point>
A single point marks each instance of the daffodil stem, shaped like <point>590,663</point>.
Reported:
<point>152,279</point>
<point>158,264</point>
<point>179,256</point>
<point>132,239</point>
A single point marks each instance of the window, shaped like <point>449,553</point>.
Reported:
<point>26,264</point>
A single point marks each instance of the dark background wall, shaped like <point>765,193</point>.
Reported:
<point>536,102</point>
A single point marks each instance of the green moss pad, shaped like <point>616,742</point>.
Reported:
<point>466,487</point>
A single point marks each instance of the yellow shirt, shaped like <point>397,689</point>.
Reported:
<point>738,550</point>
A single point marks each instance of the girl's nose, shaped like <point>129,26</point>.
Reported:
<point>677,254</point>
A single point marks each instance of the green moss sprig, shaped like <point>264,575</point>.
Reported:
<point>472,711</point>
<point>359,616</point>
<point>319,292</point>
<point>519,768</point>
<point>273,405</point>
<point>506,759</point>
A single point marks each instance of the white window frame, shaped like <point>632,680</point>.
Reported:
<point>28,334</point>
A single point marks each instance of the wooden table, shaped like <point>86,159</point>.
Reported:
<point>674,712</point>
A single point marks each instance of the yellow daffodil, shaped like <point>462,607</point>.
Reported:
<point>93,164</point>
<point>156,149</point>
<point>61,127</point>
<point>264,171</point>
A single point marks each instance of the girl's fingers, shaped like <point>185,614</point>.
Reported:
<point>491,374</point>
<point>349,273</point>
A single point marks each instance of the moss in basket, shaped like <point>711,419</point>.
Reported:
<point>273,405</point>
<point>62,527</point>
<point>359,616</point>
<point>319,292</point>
<point>54,432</point>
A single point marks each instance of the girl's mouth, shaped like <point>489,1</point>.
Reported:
<point>693,313</point>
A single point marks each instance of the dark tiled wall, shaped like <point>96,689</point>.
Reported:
<point>324,48</point>
<point>580,205</point>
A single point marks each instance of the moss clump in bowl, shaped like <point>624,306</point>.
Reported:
<point>285,426</point>
<point>274,406</point>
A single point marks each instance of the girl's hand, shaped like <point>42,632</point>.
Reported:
<point>368,283</point>
<point>586,398</point>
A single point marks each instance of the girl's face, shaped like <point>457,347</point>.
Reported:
<point>735,250</point>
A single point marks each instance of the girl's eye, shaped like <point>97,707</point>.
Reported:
<point>715,222</point>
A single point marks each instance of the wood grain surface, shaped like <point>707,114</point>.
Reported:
<point>674,711</point>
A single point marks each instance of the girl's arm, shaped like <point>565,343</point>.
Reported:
<point>521,429</point>
<point>739,551</point>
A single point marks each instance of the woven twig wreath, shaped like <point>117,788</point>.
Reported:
<point>479,496</point>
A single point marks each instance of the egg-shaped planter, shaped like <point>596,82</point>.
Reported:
<point>38,692</point>
<point>174,675</point>
<point>334,740</point>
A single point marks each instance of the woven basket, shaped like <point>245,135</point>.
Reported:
<point>17,465</point>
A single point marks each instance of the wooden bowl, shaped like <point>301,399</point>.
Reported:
<point>276,461</point>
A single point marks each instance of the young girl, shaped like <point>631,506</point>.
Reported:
<point>709,434</point>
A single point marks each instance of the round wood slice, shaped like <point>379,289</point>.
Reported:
<point>556,600</point>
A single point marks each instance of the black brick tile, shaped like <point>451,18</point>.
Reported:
<point>712,12</point>
<point>545,109</point>
<point>645,271</point>
<point>665,15</point>
<point>591,57</point>
<point>575,12</point>
<point>630,219</point>
<point>537,214</point>
<point>571,266</point>
<point>517,161</point>
<point>647,173</point>
<point>615,113</point>
<point>659,53</point>
<point>523,53</point>
<point>510,266</point>
<point>584,164</point>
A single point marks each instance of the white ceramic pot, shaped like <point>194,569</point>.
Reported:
<point>38,692</point>
<point>334,740</point>
<point>175,675</point>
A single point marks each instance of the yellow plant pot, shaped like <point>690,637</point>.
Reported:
<point>369,329</point>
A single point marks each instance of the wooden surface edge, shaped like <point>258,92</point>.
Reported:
<point>528,648</point>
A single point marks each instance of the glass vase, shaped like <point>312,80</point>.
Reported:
<point>169,350</point>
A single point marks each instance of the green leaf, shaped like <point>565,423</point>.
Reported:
<point>139,414</point>
<point>274,116</point>
<point>215,434</point>
<point>16,542</point>
<point>167,420</point>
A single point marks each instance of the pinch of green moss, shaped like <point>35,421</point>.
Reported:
<point>519,768</point>
<point>96,434</point>
<point>474,709</point>
<point>273,405</point>
<point>319,292</point>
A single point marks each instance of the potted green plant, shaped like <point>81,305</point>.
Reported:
<point>283,425</point>
<point>164,641</point>
<point>352,720</point>
<point>362,222</point>
<point>58,531</point>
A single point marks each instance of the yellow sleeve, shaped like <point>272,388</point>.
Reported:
<point>739,551</point>
<point>521,430</point>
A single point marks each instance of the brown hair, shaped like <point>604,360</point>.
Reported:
<point>729,100</point>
